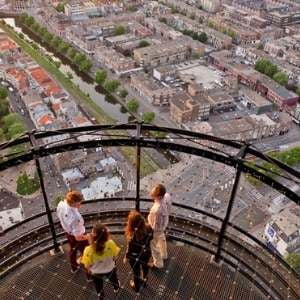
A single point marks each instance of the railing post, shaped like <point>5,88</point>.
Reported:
<point>138,166</point>
<point>42,184</point>
<point>242,153</point>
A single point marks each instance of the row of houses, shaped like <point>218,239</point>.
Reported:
<point>248,76</point>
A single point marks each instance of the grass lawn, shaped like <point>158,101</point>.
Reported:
<point>148,165</point>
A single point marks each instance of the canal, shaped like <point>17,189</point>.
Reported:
<point>109,105</point>
<point>107,102</point>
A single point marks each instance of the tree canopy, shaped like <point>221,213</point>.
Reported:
<point>100,77</point>
<point>60,7</point>
<point>143,43</point>
<point>148,117</point>
<point>85,65</point>
<point>27,185</point>
<point>4,107</point>
<point>111,85</point>
<point>119,30</point>
<point>281,77</point>
<point>132,105</point>
<point>293,259</point>
<point>3,93</point>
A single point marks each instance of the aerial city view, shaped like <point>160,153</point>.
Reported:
<point>219,78</point>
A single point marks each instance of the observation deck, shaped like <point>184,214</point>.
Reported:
<point>210,255</point>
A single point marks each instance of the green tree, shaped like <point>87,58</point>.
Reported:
<point>69,75</point>
<point>4,107</point>
<point>85,65</point>
<point>203,37</point>
<point>261,65</point>
<point>57,64</point>
<point>143,44</point>
<point>23,17</point>
<point>133,105</point>
<point>42,31</point>
<point>163,20</point>
<point>29,21</point>
<point>10,120</point>
<point>111,85</point>
<point>119,30</point>
<point>60,7</point>
<point>100,77</point>
<point>123,93</point>
<point>195,36</point>
<point>2,135</point>
<point>260,46</point>
<point>21,35</point>
<point>71,53</point>
<point>48,37</point>
<point>15,130</point>
<point>281,77</point>
<point>35,27</point>
<point>56,42</point>
<point>79,58</point>
<point>298,90</point>
<point>3,93</point>
<point>271,70</point>
<point>293,259</point>
<point>27,185</point>
<point>63,47</point>
<point>148,116</point>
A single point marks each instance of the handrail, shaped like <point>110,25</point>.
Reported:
<point>231,143</point>
<point>176,205</point>
<point>149,143</point>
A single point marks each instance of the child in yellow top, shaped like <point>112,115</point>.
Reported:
<point>99,259</point>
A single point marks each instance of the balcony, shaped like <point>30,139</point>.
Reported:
<point>211,254</point>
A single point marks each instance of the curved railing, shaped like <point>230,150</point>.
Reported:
<point>117,136</point>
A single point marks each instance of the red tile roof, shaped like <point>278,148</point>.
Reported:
<point>56,107</point>
<point>52,89</point>
<point>7,44</point>
<point>20,76</point>
<point>40,76</point>
<point>45,120</point>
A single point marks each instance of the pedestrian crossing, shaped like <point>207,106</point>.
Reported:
<point>131,185</point>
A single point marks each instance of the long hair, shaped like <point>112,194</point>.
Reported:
<point>99,237</point>
<point>136,225</point>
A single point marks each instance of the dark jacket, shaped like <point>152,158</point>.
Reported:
<point>140,248</point>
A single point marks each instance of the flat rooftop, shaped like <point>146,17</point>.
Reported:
<point>203,75</point>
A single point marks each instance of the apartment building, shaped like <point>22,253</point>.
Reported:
<point>165,53</point>
<point>153,91</point>
<point>282,233</point>
<point>221,101</point>
<point>183,108</point>
<point>114,60</point>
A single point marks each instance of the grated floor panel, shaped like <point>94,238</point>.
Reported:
<point>188,274</point>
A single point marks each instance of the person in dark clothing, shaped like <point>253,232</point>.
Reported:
<point>138,236</point>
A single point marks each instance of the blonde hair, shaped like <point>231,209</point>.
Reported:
<point>158,191</point>
<point>73,197</point>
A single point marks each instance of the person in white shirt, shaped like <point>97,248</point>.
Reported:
<point>158,219</point>
<point>73,224</point>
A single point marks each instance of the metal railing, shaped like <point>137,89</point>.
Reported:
<point>38,149</point>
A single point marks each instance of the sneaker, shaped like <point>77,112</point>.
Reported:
<point>100,296</point>
<point>144,282</point>
<point>132,285</point>
<point>74,270</point>
<point>116,290</point>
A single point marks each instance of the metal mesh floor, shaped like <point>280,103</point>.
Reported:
<point>188,274</point>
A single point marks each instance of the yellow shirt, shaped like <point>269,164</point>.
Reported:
<point>100,263</point>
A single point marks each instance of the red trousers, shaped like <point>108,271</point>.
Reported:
<point>74,247</point>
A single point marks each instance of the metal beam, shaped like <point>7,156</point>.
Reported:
<point>241,154</point>
<point>43,189</point>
